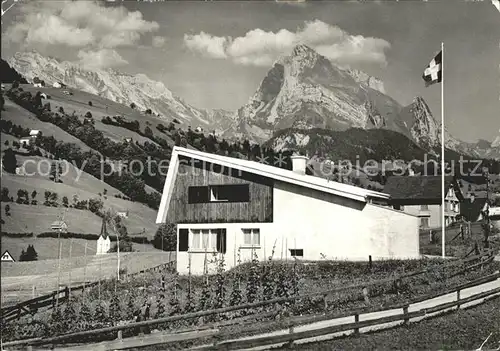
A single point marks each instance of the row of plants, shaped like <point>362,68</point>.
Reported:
<point>94,205</point>
<point>167,294</point>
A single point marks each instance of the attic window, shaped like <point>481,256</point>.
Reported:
<point>219,193</point>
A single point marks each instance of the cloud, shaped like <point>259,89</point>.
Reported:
<point>260,48</point>
<point>100,59</point>
<point>158,41</point>
<point>79,24</point>
<point>207,44</point>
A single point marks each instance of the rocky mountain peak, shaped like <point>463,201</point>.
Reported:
<point>496,142</point>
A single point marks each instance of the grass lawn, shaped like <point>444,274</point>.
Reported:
<point>461,330</point>
<point>48,248</point>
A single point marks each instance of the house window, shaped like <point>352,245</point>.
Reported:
<point>251,237</point>
<point>219,193</point>
<point>297,252</point>
<point>424,207</point>
<point>399,207</point>
<point>424,222</point>
<point>208,239</point>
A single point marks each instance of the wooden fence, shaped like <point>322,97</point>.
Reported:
<point>291,334</point>
<point>32,306</point>
<point>484,259</point>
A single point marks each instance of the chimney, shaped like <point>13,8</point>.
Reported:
<point>299,164</point>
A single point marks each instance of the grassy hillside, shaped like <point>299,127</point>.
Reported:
<point>101,107</point>
<point>38,218</point>
<point>48,248</point>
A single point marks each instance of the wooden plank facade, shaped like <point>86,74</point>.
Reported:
<point>259,208</point>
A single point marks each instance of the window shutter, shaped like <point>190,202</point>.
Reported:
<point>221,240</point>
<point>183,240</point>
<point>198,194</point>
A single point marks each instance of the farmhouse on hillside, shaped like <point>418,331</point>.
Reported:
<point>239,207</point>
<point>59,226</point>
<point>103,242</point>
<point>25,141</point>
<point>422,197</point>
<point>35,133</point>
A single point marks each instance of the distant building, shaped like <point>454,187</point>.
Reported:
<point>59,226</point>
<point>103,242</point>
<point>59,85</point>
<point>37,85</point>
<point>494,214</point>
<point>25,141</point>
<point>128,140</point>
<point>421,196</point>
<point>122,214</point>
<point>198,130</point>
<point>43,95</point>
<point>35,133</point>
<point>20,171</point>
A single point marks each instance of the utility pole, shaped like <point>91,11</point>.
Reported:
<point>60,254</point>
<point>486,224</point>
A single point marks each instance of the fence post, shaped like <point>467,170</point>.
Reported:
<point>458,299</point>
<point>356,320</point>
<point>405,312</point>
<point>370,262</point>
<point>120,334</point>
<point>325,303</point>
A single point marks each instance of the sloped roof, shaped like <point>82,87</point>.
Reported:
<point>34,132</point>
<point>410,188</point>
<point>58,223</point>
<point>284,175</point>
<point>104,232</point>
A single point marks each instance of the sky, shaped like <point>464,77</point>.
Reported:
<point>215,54</point>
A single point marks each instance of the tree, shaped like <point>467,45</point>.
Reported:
<point>166,237</point>
<point>7,210</point>
<point>148,111</point>
<point>9,161</point>
<point>132,105</point>
<point>88,115</point>
<point>5,195</point>
<point>55,172</point>
<point>29,255</point>
<point>65,201</point>
<point>90,103</point>
<point>2,102</point>
<point>148,132</point>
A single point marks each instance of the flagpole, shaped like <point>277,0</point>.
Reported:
<point>443,190</point>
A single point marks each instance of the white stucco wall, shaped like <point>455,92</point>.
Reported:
<point>323,225</point>
<point>103,245</point>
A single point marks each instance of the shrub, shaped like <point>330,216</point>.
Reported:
<point>7,210</point>
<point>9,161</point>
<point>90,103</point>
<point>166,237</point>
<point>5,195</point>
<point>29,255</point>
<point>132,105</point>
